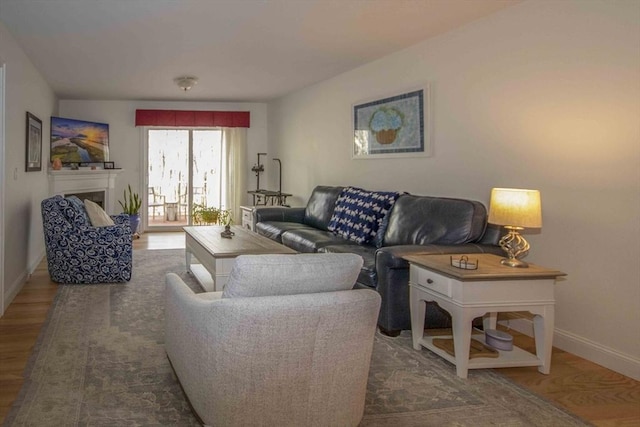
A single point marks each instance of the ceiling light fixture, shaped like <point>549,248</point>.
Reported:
<point>186,82</point>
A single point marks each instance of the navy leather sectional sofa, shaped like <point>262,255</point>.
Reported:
<point>414,225</point>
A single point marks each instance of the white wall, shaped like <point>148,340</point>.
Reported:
<point>542,95</point>
<point>125,140</point>
<point>25,90</point>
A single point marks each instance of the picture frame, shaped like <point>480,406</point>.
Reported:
<point>395,126</point>
<point>33,161</point>
<point>109,165</point>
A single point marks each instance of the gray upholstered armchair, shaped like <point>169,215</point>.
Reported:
<point>288,342</point>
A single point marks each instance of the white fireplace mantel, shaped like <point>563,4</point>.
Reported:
<point>68,181</point>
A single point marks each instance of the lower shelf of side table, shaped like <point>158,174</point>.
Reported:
<point>506,359</point>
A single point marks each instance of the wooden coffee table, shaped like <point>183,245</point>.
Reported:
<point>217,255</point>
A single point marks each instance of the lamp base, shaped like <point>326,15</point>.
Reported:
<point>515,246</point>
<point>513,262</point>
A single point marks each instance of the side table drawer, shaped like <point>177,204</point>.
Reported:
<point>430,280</point>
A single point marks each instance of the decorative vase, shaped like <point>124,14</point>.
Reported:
<point>134,221</point>
<point>56,164</point>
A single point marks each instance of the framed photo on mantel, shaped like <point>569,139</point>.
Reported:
<point>396,126</point>
<point>34,143</point>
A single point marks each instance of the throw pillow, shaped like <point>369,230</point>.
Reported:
<point>97,215</point>
<point>359,213</point>
<point>264,275</point>
<point>74,210</point>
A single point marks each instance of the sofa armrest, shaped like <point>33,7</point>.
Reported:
<point>279,213</point>
<point>118,234</point>
<point>121,218</point>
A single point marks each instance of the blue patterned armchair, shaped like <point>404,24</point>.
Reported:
<point>77,252</point>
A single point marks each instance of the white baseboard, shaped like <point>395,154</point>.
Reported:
<point>582,347</point>
<point>17,285</point>
<point>32,267</point>
<point>13,290</point>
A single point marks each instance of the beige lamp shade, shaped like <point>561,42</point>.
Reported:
<point>515,207</point>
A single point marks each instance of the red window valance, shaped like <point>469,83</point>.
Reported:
<point>229,119</point>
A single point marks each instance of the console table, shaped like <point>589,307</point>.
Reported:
<point>486,291</point>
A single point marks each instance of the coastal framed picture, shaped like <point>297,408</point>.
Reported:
<point>396,126</point>
<point>34,143</point>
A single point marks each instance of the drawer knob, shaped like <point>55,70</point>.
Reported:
<point>429,281</point>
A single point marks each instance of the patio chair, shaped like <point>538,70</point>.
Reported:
<point>155,201</point>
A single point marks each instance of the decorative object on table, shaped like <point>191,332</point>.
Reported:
<point>209,215</point>
<point>109,165</point>
<point>34,143</point>
<point>498,339</point>
<point>56,164</point>
<point>464,263</point>
<point>476,348</point>
<point>227,233</point>
<point>79,141</point>
<point>392,127</point>
<point>515,209</point>
<point>131,206</point>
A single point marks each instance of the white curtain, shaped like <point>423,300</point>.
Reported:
<point>234,142</point>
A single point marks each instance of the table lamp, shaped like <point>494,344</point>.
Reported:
<point>515,209</point>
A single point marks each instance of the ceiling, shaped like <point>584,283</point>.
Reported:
<point>241,50</point>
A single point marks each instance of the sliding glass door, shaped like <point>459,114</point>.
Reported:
<point>184,171</point>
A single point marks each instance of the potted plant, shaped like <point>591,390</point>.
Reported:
<point>208,215</point>
<point>131,206</point>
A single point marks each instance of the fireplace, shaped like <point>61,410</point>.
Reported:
<point>95,185</point>
<point>94,196</point>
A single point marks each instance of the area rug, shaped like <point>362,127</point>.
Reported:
<point>100,361</point>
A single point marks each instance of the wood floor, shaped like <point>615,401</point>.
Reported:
<point>596,394</point>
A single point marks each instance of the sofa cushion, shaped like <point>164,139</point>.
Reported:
<point>265,275</point>
<point>309,240</point>
<point>97,215</point>
<point>320,206</point>
<point>275,229</point>
<point>420,220</point>
<point>368,275</point>
<point>359,213</point>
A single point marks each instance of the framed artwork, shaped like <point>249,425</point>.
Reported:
<point>392,127</point>
<point>109,165</point>
<point>34,143</point>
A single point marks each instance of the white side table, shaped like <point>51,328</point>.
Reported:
<point>467,294</point>
<point>247,217</point>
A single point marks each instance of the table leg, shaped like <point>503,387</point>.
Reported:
<point>490,320</point>
<point>461,323</point>
<point>187,260</point>
<point>543,333</point>
<point>418,309</point>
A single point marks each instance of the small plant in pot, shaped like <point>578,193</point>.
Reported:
<point>131,206</point>
<point>207,215</point>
